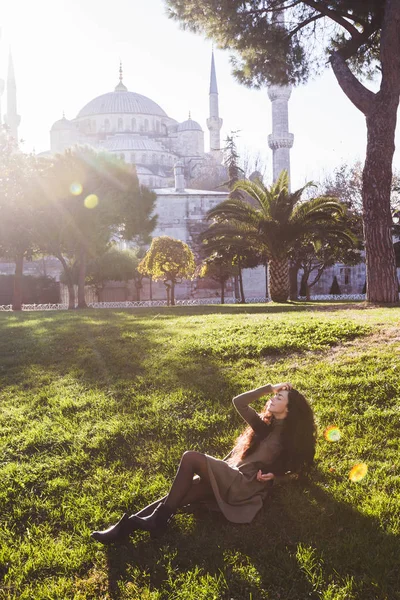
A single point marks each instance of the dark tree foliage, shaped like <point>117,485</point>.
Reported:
<point>231,161</point>
<point>335,288</point>
<point>287,42</point>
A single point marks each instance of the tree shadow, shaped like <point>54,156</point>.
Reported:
<point>280,553</point>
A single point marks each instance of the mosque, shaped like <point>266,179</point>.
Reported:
<point>169,157</point>
<point>139,131</point>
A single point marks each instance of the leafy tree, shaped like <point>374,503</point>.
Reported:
<point>314,258</point>
<point>168,260</point>
<point>19,173</point>
<point>113,265</point>
<point>220,268</point>
<point>278,221</point>
<point>91,198</point>
<point>286,42</point>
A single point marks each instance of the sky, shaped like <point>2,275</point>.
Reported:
<point>67,52</point>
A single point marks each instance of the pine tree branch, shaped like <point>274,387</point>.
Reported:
<point>304,24</point>
<point>359,95</point>
<point>334,16</point>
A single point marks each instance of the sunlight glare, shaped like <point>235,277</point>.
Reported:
<point>75,189</point>
<point>332,434</point>
<point>91,201</point>
<point>358,472</point>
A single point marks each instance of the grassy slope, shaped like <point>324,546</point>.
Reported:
<point>96,408</point>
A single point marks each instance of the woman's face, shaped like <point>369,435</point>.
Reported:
<point>278,404</point>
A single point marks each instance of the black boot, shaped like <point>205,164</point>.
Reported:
<point>117,532</point>
<point>157,522</point>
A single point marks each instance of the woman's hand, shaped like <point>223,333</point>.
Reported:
<point>265,476</point>
<point>281,386</point>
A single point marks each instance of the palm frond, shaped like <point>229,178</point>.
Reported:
<point>320,208</point>
<point>235,209</point>
<point>258,192</point>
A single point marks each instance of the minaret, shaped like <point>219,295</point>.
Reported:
<point>214,123</point>
<point>12,119</point>
<point>280,141</point>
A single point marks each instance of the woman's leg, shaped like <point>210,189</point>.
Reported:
<point>155,516</point>
<point>184,490</point>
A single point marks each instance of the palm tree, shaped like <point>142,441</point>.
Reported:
<point>274,219</point>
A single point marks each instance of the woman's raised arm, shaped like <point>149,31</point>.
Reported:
<point>241,403</point>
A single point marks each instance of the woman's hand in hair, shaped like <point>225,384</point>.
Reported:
<point>265,476</point>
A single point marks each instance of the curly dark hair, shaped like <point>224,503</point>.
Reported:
<point>298,436</point>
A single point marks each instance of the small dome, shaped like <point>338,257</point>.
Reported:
<point>189,125</point>
<point>63,125</point>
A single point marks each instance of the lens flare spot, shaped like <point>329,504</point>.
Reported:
<point>332,434</point>
<point>358,472</point>
<point>91,201</point>
<point>75,189</point>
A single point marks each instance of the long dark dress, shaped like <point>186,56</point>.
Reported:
<point>238,493</point>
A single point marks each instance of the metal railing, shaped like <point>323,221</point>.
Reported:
<point>192,302</point>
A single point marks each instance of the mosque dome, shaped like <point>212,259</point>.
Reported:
<point>189,125</point>
<point>121,102</point>
<point>62,125</point>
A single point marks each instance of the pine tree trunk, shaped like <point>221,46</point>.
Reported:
<point>382,286</point>
<point>380,110</point>
<point>278,279</point>
<point>81,280</point>
<point>17,292</point>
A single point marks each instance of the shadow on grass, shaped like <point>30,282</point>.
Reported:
<point>345,555</point>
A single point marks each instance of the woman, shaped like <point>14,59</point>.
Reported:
<point>280,439</point>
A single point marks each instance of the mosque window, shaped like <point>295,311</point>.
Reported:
<point>345,273</point>
<point>133,124</point>
<point>154,159</point>
<point>146,124</point>
<point>120,124</point>
<point>143,158</point>
<point>158,126</point>
<point>164,129</point>
<point>106,125</point>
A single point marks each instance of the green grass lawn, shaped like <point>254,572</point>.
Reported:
<point>96,408</point>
